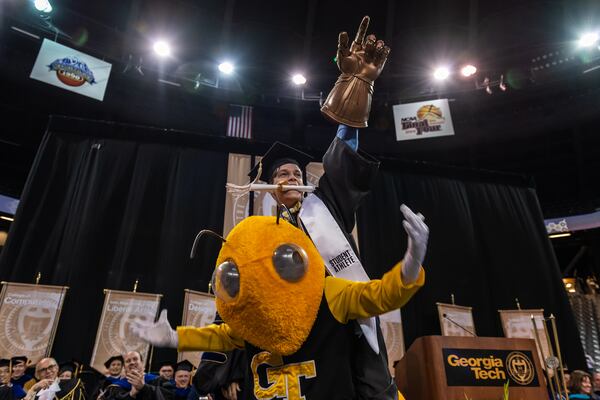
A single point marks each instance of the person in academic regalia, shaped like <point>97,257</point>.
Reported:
<point>114,365</point>
<point>183,381</point>
<point>9,390</point>
<point>19,375</point>
<point>46,371</point>
<point>67,370</point>
<point>166,370</point>
<point>349,174</point>
<point>136,384</point>
<point>165,375</point>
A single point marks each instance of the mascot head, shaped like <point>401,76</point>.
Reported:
<point>269,284</point>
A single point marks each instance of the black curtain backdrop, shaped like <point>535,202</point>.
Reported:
<point>105,205</point>
<point>487,245</point>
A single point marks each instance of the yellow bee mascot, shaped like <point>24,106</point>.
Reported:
<point>277,302</point>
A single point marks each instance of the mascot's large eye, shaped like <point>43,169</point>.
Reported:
<point>290,261</point>
<point>226,281</point>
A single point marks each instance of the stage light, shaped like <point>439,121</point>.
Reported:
<point>162,48</point>
<point>570,285</point>
<point>468,70</point>
<point>226,68</point>
<point>298,79</point>
<point>43,6</point>
<point>441,73</point>
<point>559,235</point>
<point>588,40</point>
<point>502,85</point>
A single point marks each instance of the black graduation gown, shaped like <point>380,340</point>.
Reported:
<point>211,377</point>
<point>71,389</point>
<point>153,390</point>
<point>348,178</point>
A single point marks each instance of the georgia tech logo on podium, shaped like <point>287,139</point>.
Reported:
<point>520,368</point>
<point>489,367</point>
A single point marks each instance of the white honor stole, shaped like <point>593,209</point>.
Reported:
<point>340,259</point>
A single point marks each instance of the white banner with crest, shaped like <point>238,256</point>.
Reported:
<point>114,335</point>
<point>199,310</point>
<point>29,315</point>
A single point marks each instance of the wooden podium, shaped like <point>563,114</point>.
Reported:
<point>457,368</point>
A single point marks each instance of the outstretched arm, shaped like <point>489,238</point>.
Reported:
<point>349,136</point>
<point>209,338</point>
<point>353,300</point>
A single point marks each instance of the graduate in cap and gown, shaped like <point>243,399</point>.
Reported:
<point>46,371</point>
<point>136,384</point>
<point>19,373</point>
<point>165,375</point>
<point>349,173</point>
<point>9,390</point>
<point>183,381</point>
<point>114,366</point>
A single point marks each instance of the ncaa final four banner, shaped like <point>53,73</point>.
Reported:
<point>199,310</point>
<point>114,335</point>
<point>71,70</point>
<point>29,315</point>
<point>422,120</point>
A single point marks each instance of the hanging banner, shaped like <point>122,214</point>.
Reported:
<point>114,335</point>
<point>393,336</point>
<point>456,320</point>
<point>422,120</point>
<point>199,310</point>
<point>29,315</point>
<point>518,324</point>
<point>71,70</point>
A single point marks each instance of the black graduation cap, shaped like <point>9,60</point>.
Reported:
<point>19,359</point>
<point>166,364</point>
<point>113,358</point>
<point>275,157</point>
<point>68,366</point>
<point>184,365</point>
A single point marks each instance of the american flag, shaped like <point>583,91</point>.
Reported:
<point>239,123</point>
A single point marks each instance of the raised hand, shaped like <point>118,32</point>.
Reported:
<point>360,63</point>
<point>365,57</point>
<point>418,235</point>
<point>159,333</point>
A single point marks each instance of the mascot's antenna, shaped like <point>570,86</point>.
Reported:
<point>199,235</point>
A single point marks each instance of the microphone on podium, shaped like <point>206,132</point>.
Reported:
<point>445,316</point>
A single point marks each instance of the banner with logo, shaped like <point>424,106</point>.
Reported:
<point>456,320</point>
<point>393,336</point>
<point>29,315</point>
<point>114,330</point>
<point>199,310</point>
<point>518,324</point>
<point>488,367</point>
<point>425,119</point>
<point>71,70</point>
